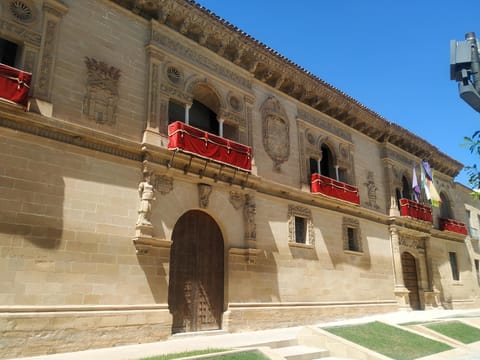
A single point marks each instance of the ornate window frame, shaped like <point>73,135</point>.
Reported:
<point>295,211</point>
<point>354,224</point>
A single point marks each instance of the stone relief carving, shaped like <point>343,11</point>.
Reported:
<point>46,62</point>
<point>146,191</point>
<point>324,124</point>
<point>249,211</point>
<point>371,191</point>
<point>237,199</point>
<point>100,102</point>
<point>275,131</point>
<point>29,63</point>
<point>162,39</point>
<point>204,191</point>
<point>163,184</point>
<point>19,31</point>
<point>411,242</point>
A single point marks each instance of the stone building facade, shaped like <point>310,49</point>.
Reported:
<point>111,235</point>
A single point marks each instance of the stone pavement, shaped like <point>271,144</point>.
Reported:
<point>186,342</point>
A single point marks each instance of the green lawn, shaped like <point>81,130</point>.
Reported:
<point>456,330</point>
<point>251,355</point>
<point>389,340</point>
<point>183,354</point>
<point>246,355</point>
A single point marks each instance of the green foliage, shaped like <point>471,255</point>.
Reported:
<point>457,330</point>
<point>473,144</point>
<point>389,340</point>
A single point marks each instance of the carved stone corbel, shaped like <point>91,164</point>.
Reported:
<point>204,191</point>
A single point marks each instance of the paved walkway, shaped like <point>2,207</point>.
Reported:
<point>227,341</point>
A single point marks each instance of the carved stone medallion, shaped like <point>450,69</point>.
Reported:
<point>275,129</point>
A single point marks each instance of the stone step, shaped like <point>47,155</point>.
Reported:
<point>300,352</point>
<point>274,344</point>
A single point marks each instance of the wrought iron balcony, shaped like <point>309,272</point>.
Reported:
<point>321,184</point>
<point>14,84</point>
<point>191,140</point>
<point>415,210</point>
<point>453,225</point>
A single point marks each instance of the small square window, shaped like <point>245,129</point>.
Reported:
<point>454,266</point>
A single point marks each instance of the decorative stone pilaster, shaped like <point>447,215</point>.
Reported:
<point>401,292</point>
<point>249,211</point>
<point>53,13</point>
<point>431,293</point>
<point>153,105</point>
<point>156,101</point>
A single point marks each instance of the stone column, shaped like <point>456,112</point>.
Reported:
<point>220,127</point>
<point>187,113</point>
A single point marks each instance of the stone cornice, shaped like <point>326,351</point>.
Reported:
<point>268,66</point>
<point>15,118</point>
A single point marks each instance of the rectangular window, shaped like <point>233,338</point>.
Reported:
<point>352,239</point>
<point>8,52</point>
<point>313,163</point>
<point>176,112</point>
<point>477,270</point>
<point>454,266</point>
<point>300,230</point>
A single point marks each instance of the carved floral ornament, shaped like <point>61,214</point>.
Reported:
<point>275,131</point>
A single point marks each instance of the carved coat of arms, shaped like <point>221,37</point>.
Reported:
<point>100,102</point>
<point>275,131</point>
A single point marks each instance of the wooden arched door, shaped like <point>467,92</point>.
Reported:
<point>409,269</point>
<point>195,293</point>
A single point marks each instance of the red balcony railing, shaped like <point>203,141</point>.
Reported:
<point>415,210</point>
<point>14,84</point>
<point>194,141</point>
<point>337,189</point>
<point>452,225</point>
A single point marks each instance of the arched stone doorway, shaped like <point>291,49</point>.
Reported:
<point>196,287</point>
<point>409,269</point>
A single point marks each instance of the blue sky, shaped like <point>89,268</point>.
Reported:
<point>392,56</point>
